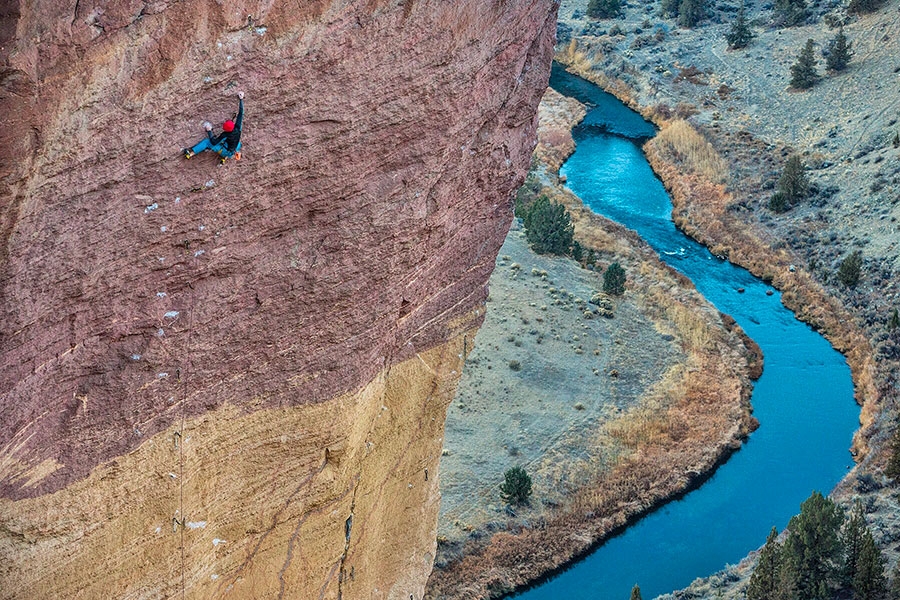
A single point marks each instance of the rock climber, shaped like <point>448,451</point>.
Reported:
<point>227,143</point>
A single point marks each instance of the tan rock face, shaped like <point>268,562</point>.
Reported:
<point>334,499</point>
<point>241,306</point>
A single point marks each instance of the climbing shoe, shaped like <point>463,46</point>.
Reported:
<point>186,152</point>
<point>222,160</point>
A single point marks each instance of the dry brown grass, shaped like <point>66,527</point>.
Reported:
<point>575,58</point>
<point>649,423</point>
<point>682,144</point>
<point>695,331</point>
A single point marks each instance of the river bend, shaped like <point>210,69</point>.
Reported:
<point>804,399</point>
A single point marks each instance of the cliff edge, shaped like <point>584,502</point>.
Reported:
<point>233,378</point>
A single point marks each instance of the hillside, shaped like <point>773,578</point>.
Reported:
<point>741,102</point>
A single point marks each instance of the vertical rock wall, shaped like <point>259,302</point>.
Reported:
<point>206,370</point>
<point>336,499</point>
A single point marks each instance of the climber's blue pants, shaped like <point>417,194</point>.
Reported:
<point>220,149</point>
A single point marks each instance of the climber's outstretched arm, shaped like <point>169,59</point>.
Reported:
<point>239,120</point>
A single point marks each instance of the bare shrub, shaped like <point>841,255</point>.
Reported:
<point>683,110</point>
<point>663,111</point>
<point>693,75</point>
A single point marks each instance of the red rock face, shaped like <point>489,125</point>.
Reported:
<point>381,145</point>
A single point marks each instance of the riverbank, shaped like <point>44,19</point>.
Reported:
<point>737,105</point>
<point>667,382</point>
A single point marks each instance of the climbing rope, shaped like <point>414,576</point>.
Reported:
<point>184,394</point>
<point>179,436</point>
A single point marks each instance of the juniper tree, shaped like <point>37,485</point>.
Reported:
<point>691,12</point>
<point>869,582</point>
<point>778,203</point>
<point>764,580</point>
<point>894,321</point>
<point>604,9</point>
<point>851,541</point>
<point>803,72</point>
<point>516,486</point>
<point>740,34</point>
<point>837,52</point>
<point>548,227</point>
<point>577,251</point>
<point>850,269</point>
<point>812,549</point>
<point>793,182</point>
<point>792,185</point>
<point>789,12</point>
<point>686,12</point>
<point>636,593</point>
<point>614,279</point>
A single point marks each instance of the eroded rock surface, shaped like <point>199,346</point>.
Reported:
<point>184,343</point>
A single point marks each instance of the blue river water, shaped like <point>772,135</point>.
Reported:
<point>804,399</point>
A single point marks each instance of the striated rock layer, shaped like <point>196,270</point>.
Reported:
<point>233,379</point>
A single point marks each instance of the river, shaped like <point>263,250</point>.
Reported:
<point>804,399</point>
